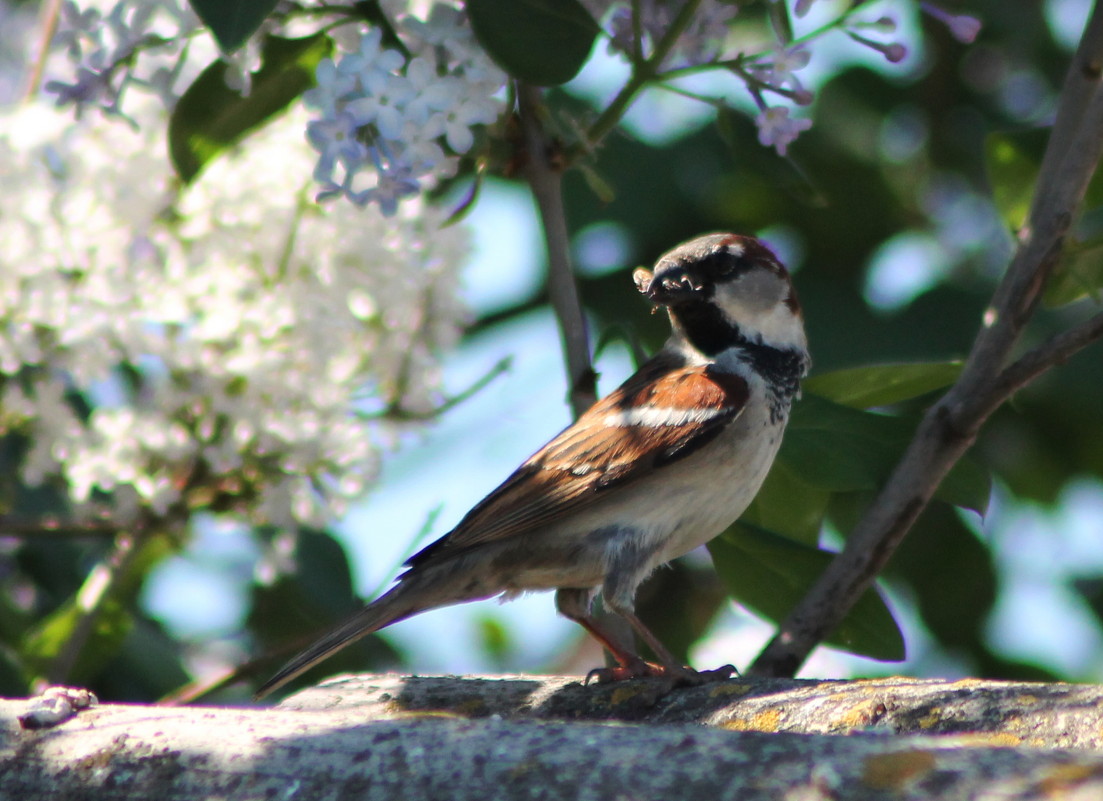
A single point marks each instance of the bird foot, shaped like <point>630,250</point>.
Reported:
<point>677,675</point>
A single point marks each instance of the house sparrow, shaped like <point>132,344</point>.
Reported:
<point>658,467</point>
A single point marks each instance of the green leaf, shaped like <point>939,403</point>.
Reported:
<point>47,641</point>
<point>1079,274</point>
<point>211,117</point>
<point>789,506</point>
<point>297,607</point>
<point>769,574</point>
<point>840,449</point>
<point>1012,161</point>
<point>233,21</point>
<point>111,617</point>
<point>968,485</point>
<point>543,42</point>
<point>883,384</point>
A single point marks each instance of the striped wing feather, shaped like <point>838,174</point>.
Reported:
<point>676,409</point>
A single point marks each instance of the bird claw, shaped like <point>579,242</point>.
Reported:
<point>678,676</point>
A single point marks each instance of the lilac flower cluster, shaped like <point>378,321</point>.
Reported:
<point>701,41</point>
<point>636,29</point>
<point>389,121</point>
<point>130,43</point>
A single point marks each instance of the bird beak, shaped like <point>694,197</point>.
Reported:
<point>673,288</point>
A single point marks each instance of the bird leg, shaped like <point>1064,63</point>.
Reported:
<point>574,605</point>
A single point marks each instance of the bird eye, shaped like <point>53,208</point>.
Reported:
<point>726,266</point>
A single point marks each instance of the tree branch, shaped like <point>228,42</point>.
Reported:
<point>1056,350</point>
<point>950,426</point>
<point>546,180</point>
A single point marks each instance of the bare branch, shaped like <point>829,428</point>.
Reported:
<point>55,528</point>
<point>546,180</point>
<point>951,425</point>
<point>48,18</point>
<point>1054,351</point>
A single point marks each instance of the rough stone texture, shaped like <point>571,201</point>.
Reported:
<point>1001,713</point>
<point>391,737</point>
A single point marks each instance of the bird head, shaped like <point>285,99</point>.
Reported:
<point>723,289</point>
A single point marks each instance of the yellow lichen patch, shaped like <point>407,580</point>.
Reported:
<point>428,713</point>
<point>860,715</point>
<point>1026,699</point>
<point>932,718</point>
<point>767,720</point>
<point>995,739</point>
<point>622,694</point>
<point>893,771</point>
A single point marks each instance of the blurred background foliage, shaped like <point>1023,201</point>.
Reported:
<point>886,211</point>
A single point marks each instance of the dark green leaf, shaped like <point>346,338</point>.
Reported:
<point>1078,275</point>
<point>211,117</point>
<point>233,21</point>
<point>788,506</point>
<point>882,384</point>
<point>295,609</point>
<point>47,641</point>
<point>149,664</point>
<point>950,575</point>
<point>841,449</point>
<point>968,485</point>
<point>837,448</point>
<point>769,573</point>
<point>112,618</point>
<point>543,42</point>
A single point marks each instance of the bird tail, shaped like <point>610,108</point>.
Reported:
<point>401,602</point>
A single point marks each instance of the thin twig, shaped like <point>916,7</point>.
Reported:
<point>47,23</point>
<point>644,71</point>
<point>949,427</point>
<point>1056,350</point>
<point>396,413</point>
<point>546,181</point>
<point>55,528</point>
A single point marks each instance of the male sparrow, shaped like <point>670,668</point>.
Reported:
<point>658,467</point>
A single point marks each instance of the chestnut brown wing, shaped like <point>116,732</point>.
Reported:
<point>664,412</point>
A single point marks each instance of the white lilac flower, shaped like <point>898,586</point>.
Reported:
<point>800,7</point>
<point>384,119</point>
<point>963,27</point>
<point>335,139</point>
<point>235,309</point>
<point>701,41</point>
<point>778,70</point>
<point>777,129</point>
<point>894,52</point>
<point>109,46</point>
<point>384,103</point>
